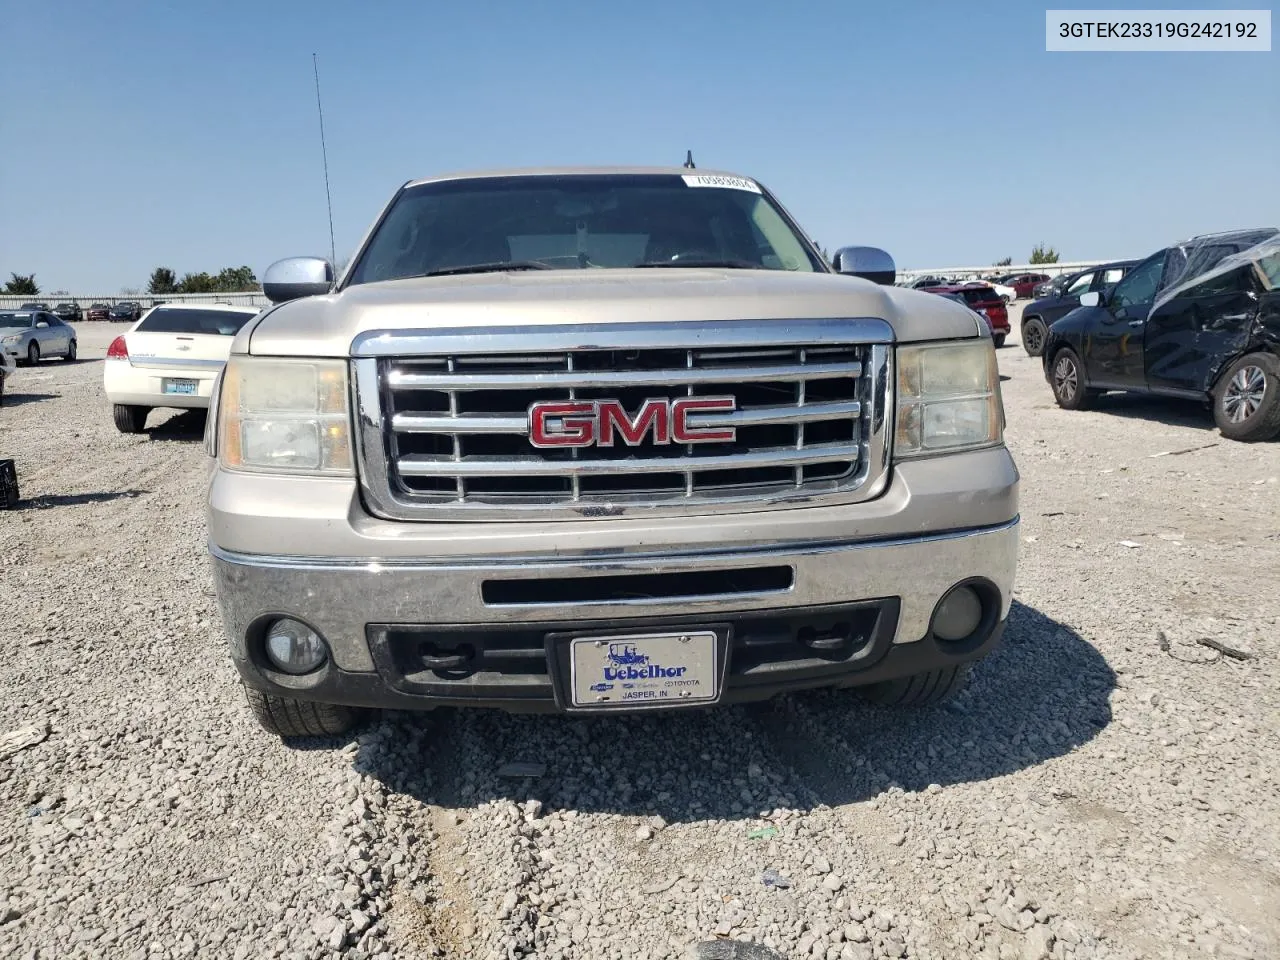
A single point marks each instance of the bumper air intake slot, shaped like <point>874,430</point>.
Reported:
<point>621,588</point>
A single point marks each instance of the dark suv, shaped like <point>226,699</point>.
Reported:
<point>1199,320</point>
<point>1039,315</point>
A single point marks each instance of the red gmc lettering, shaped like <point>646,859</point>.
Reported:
<point>568,424</point>
<point>651,415</point>
<point>682,432</point>
<point>582,423</point>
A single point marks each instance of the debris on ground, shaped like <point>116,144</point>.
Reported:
<point>1232,652</point>
<point>15,741</point>
<point>772,878</point>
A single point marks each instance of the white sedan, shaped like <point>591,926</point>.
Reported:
<point>170,358</point>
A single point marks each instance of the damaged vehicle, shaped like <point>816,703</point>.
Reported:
<point>1197,320</point>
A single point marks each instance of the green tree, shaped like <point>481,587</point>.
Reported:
<point>196,283</point>
<point>1043,254</point>
<point>162,281</point>
<point>1004,262</point>
<point>235,280</point>
<point>25,286</point>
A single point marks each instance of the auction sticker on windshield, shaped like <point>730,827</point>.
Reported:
<point>653,669</point>
<point>714,180</point>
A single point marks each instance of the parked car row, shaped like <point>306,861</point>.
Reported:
<point>1199,320</point>
<point>1009,286</point>
<point>70,312</point>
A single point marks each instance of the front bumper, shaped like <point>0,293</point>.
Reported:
<point>375,614</point>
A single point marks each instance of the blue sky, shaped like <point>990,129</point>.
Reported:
<point>184,134</point>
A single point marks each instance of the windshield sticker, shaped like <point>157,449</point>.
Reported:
<point>725,183</point>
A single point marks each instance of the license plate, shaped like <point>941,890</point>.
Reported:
<point>649,669</point>
<point>187,387</point>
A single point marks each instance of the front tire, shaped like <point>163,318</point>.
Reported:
<point>1033,335</point>
<point>71,351</point>
<point>128,418</point>
<point>1066,377</point>
<point>288,718</point>
<point>918,690</point>
<point>1246,401</point>
<point>33,353</point>
<point>998,340</point>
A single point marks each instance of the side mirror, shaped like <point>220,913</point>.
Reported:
<point>1093,299</point>
<point>297,277</point>
<point>870,263</point>
<point>41,323</point>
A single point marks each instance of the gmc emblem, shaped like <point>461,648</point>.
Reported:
<point>586,423</point>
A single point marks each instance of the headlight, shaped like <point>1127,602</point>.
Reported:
<point>948,398</point>
<point>13,339</point>
<point>284,416</point>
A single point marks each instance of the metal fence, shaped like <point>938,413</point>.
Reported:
<point>10,301</point>
<point>1049,269</point>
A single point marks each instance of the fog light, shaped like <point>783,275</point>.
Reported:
<point>294,647</point>
<point>958,615</point>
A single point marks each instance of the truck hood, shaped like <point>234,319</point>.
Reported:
<point>325,326</point>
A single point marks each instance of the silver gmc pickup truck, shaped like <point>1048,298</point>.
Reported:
<point>604,440</point>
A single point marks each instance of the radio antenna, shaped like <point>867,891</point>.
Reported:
<point>324,155</point>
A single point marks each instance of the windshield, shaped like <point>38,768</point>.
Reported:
<point>11,320</point>
<point>582,222</point>
<point>225,323</point>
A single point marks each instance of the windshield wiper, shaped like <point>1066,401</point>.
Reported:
<point>497,266</point>
<point>727,264</point>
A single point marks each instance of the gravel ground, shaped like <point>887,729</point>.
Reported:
<point>1094,793</point>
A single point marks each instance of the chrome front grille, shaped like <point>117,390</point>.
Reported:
<point>444,418</point>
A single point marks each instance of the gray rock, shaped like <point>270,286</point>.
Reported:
<point>1038,944</point>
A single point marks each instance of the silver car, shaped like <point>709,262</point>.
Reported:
<point>31,335</point>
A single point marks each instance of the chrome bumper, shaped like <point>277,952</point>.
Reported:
<point>341,598</point>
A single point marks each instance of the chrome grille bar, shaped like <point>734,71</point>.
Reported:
<point>427,466</point>
<point>401,379</point>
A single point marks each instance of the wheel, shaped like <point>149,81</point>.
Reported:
<point>130,419</point>
<point>1067,380</point>
<point>71,351</point>
<point>287,718</point>
<point>1246,401</point>
<point>919,689</point>
<point>1033,334</point>
<point>33,353</point>
<point>998,340</point>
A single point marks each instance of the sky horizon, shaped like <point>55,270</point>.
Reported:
<point>187,137</point>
